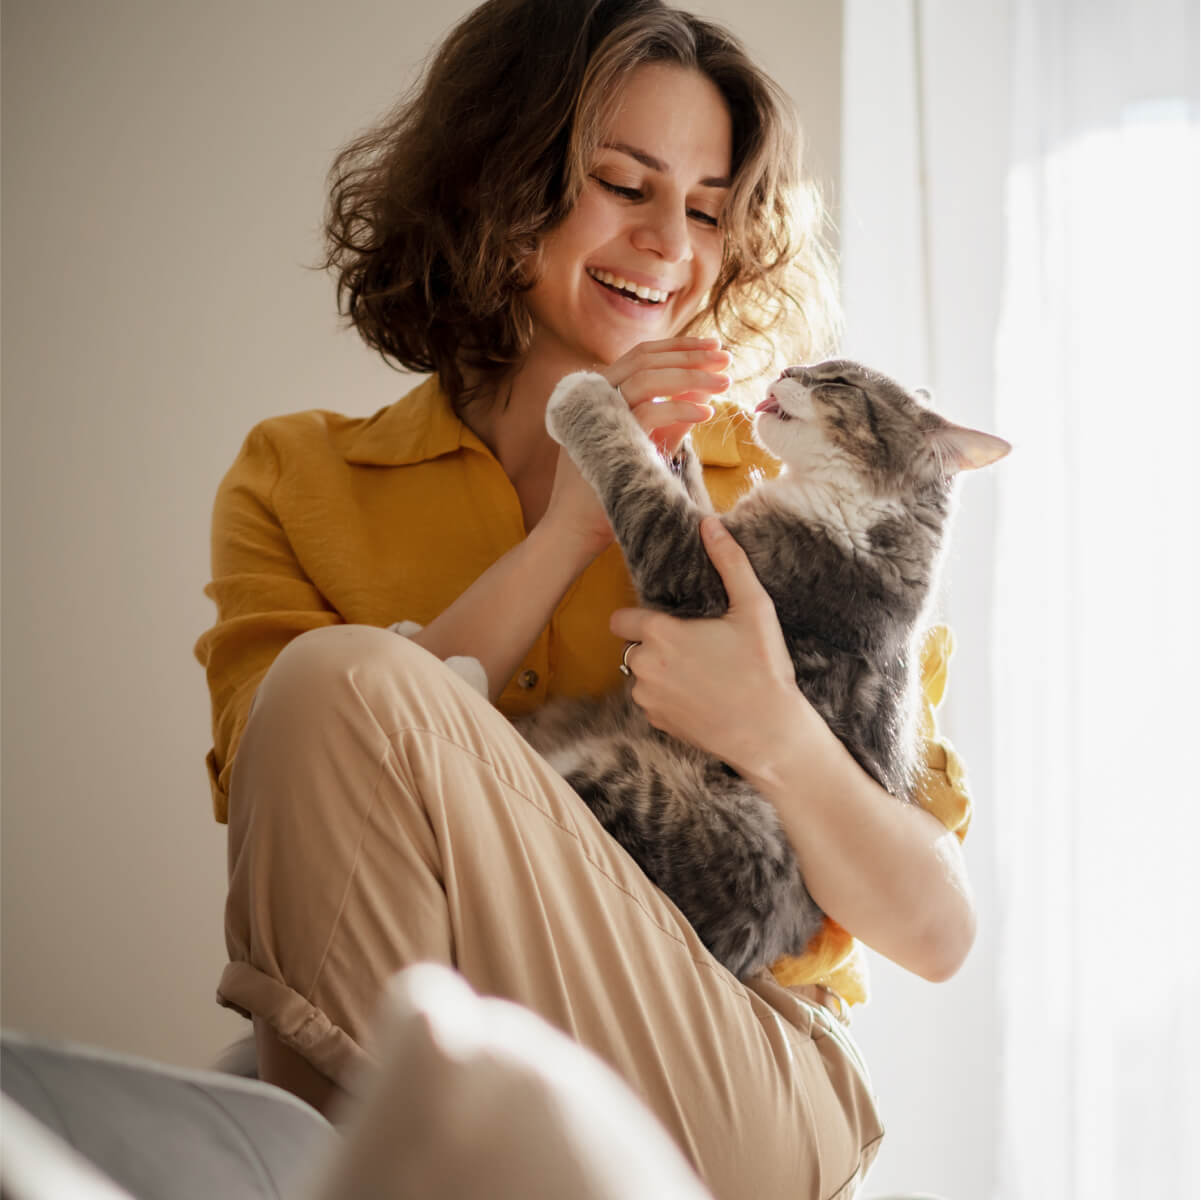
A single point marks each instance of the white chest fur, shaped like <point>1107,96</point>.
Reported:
<point>828,499</point>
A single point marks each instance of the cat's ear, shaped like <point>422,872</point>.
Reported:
<point>958,448</point>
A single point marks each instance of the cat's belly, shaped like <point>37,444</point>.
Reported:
<point>566,759</point>
<point>594,757</point>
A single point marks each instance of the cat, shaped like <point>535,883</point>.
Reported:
<point>846,540</point>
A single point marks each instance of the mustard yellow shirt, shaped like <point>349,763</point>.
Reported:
<point>325,518</point>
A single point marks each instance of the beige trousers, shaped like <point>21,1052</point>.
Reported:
<point>384,814</point>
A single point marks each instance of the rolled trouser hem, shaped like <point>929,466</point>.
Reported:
<point>297,1023</point>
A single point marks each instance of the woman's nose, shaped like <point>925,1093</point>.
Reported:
<point>663,230</point>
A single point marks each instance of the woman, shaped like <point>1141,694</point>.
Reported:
<point>597,183</point>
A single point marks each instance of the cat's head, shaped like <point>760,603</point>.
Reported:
<point>842,422</point>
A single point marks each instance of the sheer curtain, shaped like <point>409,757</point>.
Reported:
<point>1096,622</point>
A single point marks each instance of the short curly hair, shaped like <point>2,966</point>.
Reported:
<point>436,214</point>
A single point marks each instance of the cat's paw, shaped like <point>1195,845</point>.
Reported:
<point>470,670</point>
<point>575,397</point>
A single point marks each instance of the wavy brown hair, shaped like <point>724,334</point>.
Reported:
<point>436,214</point>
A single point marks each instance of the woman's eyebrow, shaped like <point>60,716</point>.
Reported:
<point>657,164</point>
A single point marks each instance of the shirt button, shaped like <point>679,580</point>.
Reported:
<point>527,680</point>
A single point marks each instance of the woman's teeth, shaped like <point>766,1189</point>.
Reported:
<point>635,291</point>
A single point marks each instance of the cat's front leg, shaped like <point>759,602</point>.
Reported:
<point>656,523</point>
<point>687,467</point>
<point>589,417</point>
<point>586,415</point>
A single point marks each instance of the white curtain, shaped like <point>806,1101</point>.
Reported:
<point>1096,623</point>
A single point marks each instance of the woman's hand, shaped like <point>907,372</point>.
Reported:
<point>679,373</point>
<point>665,384</point>
<point>726,685</point>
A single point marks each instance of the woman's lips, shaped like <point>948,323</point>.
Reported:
<point>639,309</point>
<point>633,283</point>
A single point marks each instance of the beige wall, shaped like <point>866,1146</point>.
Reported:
<point>163,166</point>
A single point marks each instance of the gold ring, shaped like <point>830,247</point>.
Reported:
<point>625,654</point>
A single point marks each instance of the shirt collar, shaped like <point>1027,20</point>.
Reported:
<point>422,425</point>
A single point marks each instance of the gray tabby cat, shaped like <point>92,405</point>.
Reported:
<point>846,540</point>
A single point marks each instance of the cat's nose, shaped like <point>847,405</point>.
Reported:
<point>796,372</point>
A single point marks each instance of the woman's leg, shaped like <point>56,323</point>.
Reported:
<point>382,814</point>
<point>279,1064</point>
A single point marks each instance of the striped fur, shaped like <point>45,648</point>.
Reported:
<point>846,540</point>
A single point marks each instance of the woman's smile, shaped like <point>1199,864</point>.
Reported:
<point>637,301</point>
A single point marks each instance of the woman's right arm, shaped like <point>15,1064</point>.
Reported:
<point>500,616</point>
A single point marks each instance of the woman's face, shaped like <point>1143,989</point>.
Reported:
<point>647,218</point>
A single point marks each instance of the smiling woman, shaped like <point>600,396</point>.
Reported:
<point>438,215</point>
<point>638,254</point>
<point>605,184</point>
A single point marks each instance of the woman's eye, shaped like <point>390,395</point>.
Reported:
<point>635,194</point>
<point>626,193</point>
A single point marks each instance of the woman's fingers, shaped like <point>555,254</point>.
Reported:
<point>652,416</point>
<point>670,381</point>
<point>670,367</point>
<point>697,345</point>
<point>666,384</point>
<point>657,419</point>
<point>669,438</point>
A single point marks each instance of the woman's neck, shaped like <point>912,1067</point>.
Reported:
<point>510,415</point>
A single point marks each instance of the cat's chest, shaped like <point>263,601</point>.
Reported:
<point>849,519</point>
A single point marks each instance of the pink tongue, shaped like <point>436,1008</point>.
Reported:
<point>764,405</point>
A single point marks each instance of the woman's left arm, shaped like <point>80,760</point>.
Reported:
<point>889,873</point>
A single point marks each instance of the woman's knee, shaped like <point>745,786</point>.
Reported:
<point>321,721</point>
<point>319,663</point>
<point>322,672</point>
<point>320,655</point>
